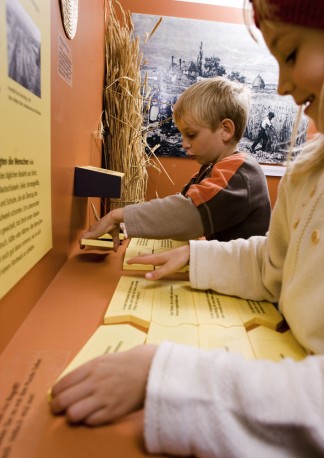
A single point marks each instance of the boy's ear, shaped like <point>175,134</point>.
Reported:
<point>228,129</point>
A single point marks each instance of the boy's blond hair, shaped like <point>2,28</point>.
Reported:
<point>210,101</point>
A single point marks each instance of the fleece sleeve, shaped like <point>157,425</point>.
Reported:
<point>174,217</point>
<point>252,268</point>
<point>217,404</point>
<point>236,268</point>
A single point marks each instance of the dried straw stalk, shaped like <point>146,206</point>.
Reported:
<point>124,95</point>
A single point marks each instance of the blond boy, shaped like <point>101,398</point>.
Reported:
<point>228,197</point>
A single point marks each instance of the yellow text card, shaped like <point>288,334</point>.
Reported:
<point>107,339</point>
<point>132,302</point>
<point>173,304</point>
<point>186,334</point>
<point>131,253</point>
<point>273,345</point>
<point>213,308</point>
<point>137,247</point>
<point>232,339</point>
<point>139,244</point>
<point>166,245</point>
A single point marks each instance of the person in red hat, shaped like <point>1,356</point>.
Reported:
<point>215,403</point>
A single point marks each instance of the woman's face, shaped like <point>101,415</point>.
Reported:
<point>300,55</point>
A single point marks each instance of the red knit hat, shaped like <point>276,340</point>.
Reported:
<point>308,13</point>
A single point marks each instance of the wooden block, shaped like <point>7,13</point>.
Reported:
<point>104,241</point>
<point>259,312</point>
<point>97,243</point>
<point>109,237</point>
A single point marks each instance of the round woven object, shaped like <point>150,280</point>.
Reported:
<point>69,10</point>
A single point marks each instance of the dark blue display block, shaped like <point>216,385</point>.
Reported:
<point>92,181</point>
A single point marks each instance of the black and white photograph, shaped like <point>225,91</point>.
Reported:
<point>183,51</point>
<point>23,48</point>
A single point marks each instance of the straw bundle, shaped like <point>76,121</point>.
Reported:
<point>124,96</point>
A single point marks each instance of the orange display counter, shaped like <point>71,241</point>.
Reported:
<point>61,322</point>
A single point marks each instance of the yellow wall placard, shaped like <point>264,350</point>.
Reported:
<point>25,163</point>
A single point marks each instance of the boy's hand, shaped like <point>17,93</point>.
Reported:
<point>104,389</point>
<point>170,261</point>
<point>110,224</point>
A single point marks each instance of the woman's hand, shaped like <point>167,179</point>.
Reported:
<point>170,262</point>
<point>104,389</point>
<point>108,224</point>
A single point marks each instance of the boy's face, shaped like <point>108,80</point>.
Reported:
<point>200,142</point>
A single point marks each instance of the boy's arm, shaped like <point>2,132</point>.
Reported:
<point>174,217</point>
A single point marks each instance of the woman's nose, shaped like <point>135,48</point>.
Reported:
<point>285,84</point>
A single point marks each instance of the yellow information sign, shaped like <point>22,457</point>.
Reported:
<point>25,163</point>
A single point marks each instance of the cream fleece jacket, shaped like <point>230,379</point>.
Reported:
<point>216,404</point>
